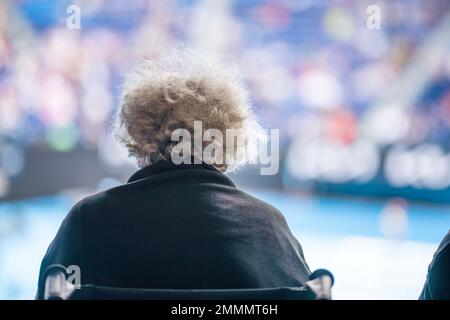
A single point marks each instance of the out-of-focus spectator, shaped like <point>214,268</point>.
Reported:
<point>437,285</point>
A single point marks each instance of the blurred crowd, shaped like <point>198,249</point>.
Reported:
<point>339,92</point>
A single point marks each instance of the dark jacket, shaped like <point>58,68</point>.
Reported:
<point>437,285</point>
<point>177,226</point>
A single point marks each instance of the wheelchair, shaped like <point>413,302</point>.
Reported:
<point>58,288</point>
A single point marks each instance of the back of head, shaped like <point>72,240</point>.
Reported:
<point>176,91</point>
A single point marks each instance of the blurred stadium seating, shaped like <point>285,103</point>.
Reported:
<point>362,114</point>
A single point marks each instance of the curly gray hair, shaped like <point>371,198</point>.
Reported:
<point>168,93</point>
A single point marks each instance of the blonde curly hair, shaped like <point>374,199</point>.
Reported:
<point>171,92</point>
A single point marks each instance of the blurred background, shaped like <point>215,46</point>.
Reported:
<point>363,113</point>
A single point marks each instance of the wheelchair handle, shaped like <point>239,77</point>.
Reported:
<point>56,285</point>
<point>320,282</point>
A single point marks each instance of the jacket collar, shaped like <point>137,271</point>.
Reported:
<point>165,165</point>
